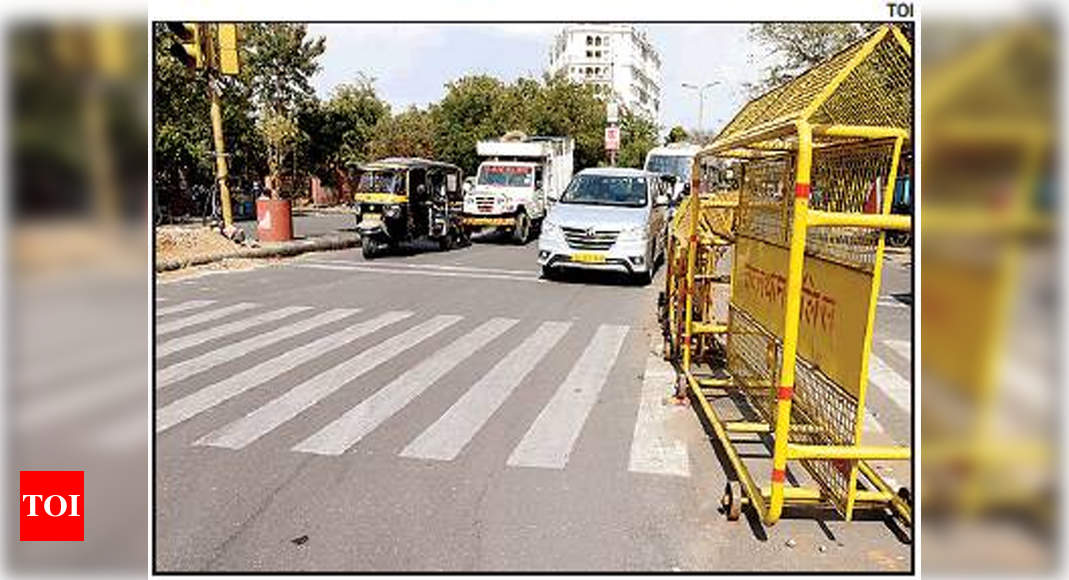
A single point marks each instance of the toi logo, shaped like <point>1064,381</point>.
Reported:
<point>51,504</point>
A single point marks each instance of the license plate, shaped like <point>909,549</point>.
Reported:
<point>371,217</point>
<point>588,258</point>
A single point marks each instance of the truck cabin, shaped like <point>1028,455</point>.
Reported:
<point>500,174</point>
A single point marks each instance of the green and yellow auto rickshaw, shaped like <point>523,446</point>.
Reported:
<point>407,199</point>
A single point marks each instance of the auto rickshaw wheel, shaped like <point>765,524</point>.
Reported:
<point>446,242</point>
<point>368,247</point>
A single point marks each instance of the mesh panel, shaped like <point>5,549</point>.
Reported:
<point>844,178</point>
<point>877,91</point>
<point>754,356</point>
<point>763,200</point>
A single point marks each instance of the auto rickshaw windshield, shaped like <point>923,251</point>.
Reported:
<point>381,182</point>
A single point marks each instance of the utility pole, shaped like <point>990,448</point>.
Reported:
<point>701,99</point>
<point>196,49</point>
<point>220,154</point>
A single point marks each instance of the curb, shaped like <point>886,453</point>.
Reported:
<point>285,249</point>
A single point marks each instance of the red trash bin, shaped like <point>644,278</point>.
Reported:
<point>274,221</point>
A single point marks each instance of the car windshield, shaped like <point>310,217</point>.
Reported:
<point>606,190</point>
<point>505,175</point>
<point>678,165</point>
<point>381,182</point>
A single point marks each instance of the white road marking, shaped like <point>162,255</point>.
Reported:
<point>549,441</point>
<point>82,359</point>
<point>448,436</point>
<point>902,348</point>
<point>122,434</point>
<point>208,397</point>
<point>378,270</point>
<point>80,398</point>
<point>653,450</point>
<point>190,340</point>
<point>890,382</point>
<point>176,325</point>
<point>183,307</point>
<point>428,267</point>
<point>243,431</point>
<point>190,367</point>
<point>350,428</point>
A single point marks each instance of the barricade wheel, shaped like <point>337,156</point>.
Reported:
<point>732,500</point>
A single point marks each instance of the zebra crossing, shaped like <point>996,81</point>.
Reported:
<point>201,335</point>
<point>548,443</point>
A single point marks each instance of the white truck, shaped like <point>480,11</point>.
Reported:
<point>518,179</point>
<point>676,159</point>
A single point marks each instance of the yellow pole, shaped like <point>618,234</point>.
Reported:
<point>220,155</point>
<point>866,346</point>
<point>791,319</point>
<point>692,253</point>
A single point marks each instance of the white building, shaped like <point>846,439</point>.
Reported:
<point>617,58</point>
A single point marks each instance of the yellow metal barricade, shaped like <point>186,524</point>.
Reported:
<point>818,159</point>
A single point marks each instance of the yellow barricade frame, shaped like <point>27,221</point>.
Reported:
<point>779,124</point>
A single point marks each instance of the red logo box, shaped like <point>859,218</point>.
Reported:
<point>51,506</point>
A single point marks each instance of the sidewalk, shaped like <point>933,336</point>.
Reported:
<point>185,246</point>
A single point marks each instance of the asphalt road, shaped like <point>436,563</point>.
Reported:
<point>451,411</point>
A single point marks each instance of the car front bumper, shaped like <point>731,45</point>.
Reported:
<point>628,256</point>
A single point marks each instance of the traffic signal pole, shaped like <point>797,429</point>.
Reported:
<point>220,155</point>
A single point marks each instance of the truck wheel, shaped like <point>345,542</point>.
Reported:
<point>521,233</point>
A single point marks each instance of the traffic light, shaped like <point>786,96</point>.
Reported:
<point>189,50</point>
<point>228,49</point>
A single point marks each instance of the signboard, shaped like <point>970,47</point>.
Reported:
<point>612,138</point>
<point>612,113</point>
<point>834,312</point>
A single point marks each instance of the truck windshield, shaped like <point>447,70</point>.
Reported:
<point>606,190</point>
<point>381,182</point>
<point>678,165</point>
<point>505,176</point>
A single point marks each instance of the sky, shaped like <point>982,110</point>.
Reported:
<point>411,63</point>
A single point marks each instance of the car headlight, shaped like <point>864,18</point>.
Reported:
<point>392,211</point>
<point>633,234</point>
<point>550,228</point>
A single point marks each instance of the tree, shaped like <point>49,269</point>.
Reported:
<point>471,110</point>
<point>637,136</point>
<point>794,47</point>
<point>570,109</point>
<point>279,63</point>
<point>676,135</point>
<point>408,134</point>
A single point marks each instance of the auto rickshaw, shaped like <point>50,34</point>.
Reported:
<point>405,199</point>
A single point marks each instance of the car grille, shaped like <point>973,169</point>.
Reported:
<point>582,239</point>
<point>484,204</point>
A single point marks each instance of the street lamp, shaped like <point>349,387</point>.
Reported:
<point>701,99</point>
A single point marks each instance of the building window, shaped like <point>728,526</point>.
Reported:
<point>589,40</point>
<point>597,41</point>
<point>590,54</point>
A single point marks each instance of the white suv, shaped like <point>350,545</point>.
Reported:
<point>607,219</point>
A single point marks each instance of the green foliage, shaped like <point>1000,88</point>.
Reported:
<point>637,136</point>
<point>676,135</point>
<point>797,46</point>
<point>473,108</point>
<point>482,107</point>
<point>408,134</point>
<point>274,123</point>
<point>280,63</point>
